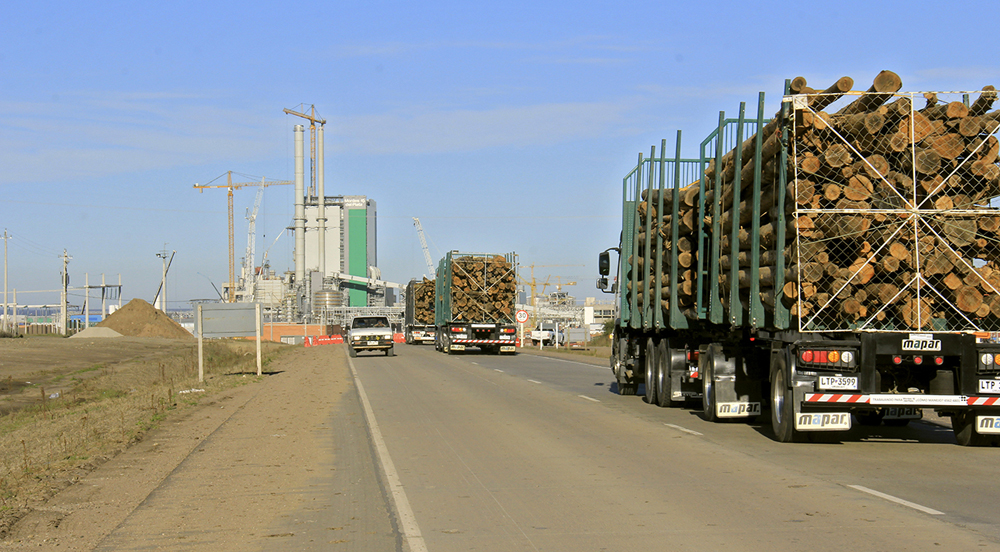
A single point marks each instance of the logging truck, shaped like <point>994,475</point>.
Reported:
<point>835,264</point>
<point>474,302</point>
<point>418,314</point>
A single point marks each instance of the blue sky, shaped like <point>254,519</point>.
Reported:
<point>502,126</point>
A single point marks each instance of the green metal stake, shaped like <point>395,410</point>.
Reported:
<point>677,320</point>
<point>781,314</point>
<point>659,237</point>
<point>715,300</point>
<point>756,307</point>
<point>735,304</point>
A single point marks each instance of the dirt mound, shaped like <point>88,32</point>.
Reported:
<point>140,319</point>
<point>94,331</point>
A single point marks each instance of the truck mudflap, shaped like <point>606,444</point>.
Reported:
<point>988,425</point>
<point>739,409</point>
<point>823,421</point>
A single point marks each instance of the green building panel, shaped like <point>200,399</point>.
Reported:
<point>357,260</point>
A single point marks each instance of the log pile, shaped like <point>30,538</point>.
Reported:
<point>423,302</point>
<point>483,289</point>
<point>883,192</point>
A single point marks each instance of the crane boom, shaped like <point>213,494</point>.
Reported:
<point>230,186</point>
<point>423,244</point>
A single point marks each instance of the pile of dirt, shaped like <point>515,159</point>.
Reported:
<point>140,319</point>
<point>95,332</point>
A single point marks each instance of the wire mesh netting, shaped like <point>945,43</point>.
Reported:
<point>896,212</point>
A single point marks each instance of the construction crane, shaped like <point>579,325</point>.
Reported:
<point>248,259</point>
<point>423,244</point>
<point>313,119</point>
<point>230,186</point>
<point>533,284</point>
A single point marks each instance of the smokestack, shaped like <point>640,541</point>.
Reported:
<point>322,201</point>
<point>300,208</point>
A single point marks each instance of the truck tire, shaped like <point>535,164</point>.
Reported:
<point>651,364</point>
<point>664,379</point>
<point>351,352</point>
<point>708,387</point>
<point>964,426</point>
<point>625,387</point>
<point>782,402</point>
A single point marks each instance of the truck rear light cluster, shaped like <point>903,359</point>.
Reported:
<point>823,356</point>
<point>918,360</point>
<point>988,359</point>
<point>693,356</point>
<point>508,330</point>
<point>455,330</point>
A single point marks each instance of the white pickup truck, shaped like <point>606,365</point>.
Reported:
<point>369,333</point>
<point>546,334</point>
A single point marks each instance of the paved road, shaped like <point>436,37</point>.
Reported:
<point>429,452</point>
<point>535,453</point>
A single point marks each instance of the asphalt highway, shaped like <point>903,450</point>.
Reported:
<point>531,452</point>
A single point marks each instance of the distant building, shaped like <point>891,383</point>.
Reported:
<point>351,239</point>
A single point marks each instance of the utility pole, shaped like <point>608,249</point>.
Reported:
<point>163,281</point>
<point>63,290</point>
<point>5,238</point>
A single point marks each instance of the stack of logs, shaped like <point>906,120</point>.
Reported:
<point>423,302</point>
<point>848,257</point>
<point>483,289</point>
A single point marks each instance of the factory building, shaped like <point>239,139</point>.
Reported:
<point>335,256</point>
<point>350,242</point>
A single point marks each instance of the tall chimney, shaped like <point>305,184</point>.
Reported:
<point>321,217</point>
<point>300,208</point>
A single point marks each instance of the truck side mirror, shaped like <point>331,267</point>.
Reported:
<point>604,265</point>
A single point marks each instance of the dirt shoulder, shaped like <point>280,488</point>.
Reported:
<point>283,463</point>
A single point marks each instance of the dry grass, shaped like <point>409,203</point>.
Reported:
<point>45,448</point>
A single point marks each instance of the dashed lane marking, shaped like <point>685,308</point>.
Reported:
<point>684,429</point>
<point>897,500</point>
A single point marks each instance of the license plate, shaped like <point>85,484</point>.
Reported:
<point>989,386</point>
<point>903,414</point>
<point>373,342</point>
<point>845,383</point>
<point>506,348</point>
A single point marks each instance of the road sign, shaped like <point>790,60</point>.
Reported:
<point>521,316</point>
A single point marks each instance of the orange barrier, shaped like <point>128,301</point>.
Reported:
<point>316,340</point>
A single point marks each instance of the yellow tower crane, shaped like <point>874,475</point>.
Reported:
<point>533,284</point>
<point>230,185</point>
<point>313,119</point>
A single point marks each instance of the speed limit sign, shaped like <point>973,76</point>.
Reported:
<point>521,316</point>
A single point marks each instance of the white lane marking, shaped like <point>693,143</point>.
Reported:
<point>588,398</point>
<point>684,429</point>
<point>476,363</point>
<point>573,362</point>
<point>407,521</point>
<point>534,381</point>
<point>891,498</point>
<point>497,370</point>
